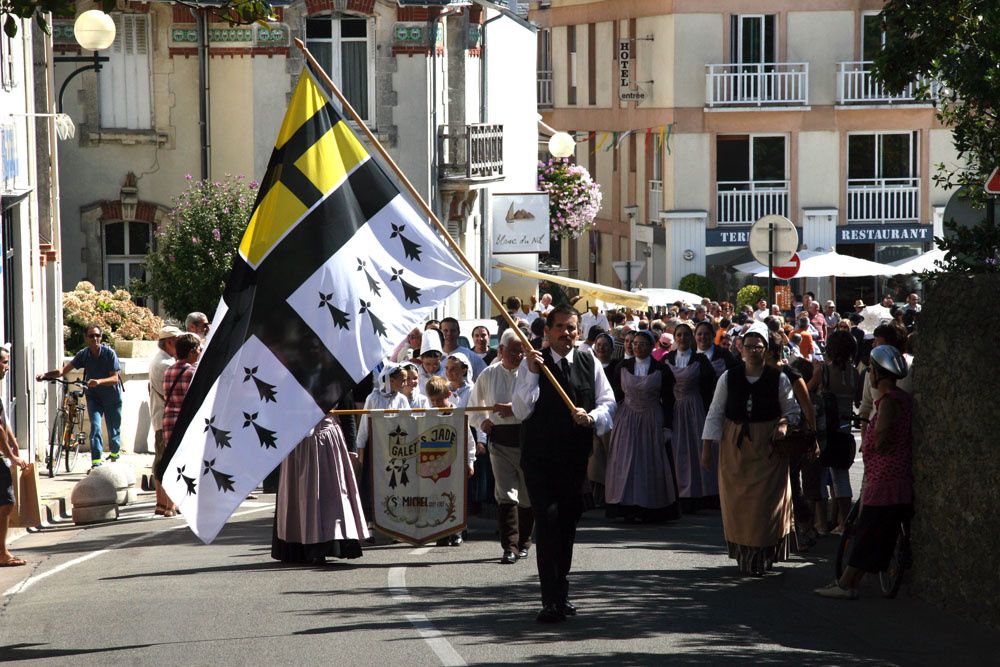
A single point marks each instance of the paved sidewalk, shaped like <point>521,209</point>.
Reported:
<point>54,492</point>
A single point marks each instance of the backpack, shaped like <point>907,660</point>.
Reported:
<point>836,404</point>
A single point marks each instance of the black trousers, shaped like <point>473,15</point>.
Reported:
<point>556,492</point>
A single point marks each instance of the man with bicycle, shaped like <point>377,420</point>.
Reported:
<point>104,398</point>
<point>8,450</point>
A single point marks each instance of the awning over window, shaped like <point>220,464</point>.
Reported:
<point>610,296</point>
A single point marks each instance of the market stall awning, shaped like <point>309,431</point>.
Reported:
<point>829,264</point>
<point>610,296</point>
<point>659,296</point>
<point>920,263</point>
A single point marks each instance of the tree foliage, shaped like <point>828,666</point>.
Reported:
<point>697,284</point>
<point>233,11</point>
<point>749,295</point>
<point>193,251</point>
<point>956,44</point>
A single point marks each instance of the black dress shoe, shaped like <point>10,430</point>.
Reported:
<point>522,553</point>
<point>455,540</point>
<point>567,608</point>
<point>508,558</point>
<point>550,613</point>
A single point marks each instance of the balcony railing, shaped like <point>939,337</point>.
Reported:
<point>545,89</point>
<point>471,152</point>
<point>745,202</point>
<point>883,200</point>
<point>655,203</point>
<point>757,84</point>
<point>856,84</point>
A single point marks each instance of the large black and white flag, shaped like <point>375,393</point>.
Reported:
<point>334,269</point>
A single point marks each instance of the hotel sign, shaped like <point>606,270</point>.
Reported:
<point>879,233</point>
<point>625,92</point>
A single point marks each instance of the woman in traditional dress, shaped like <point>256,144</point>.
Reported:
<point>721,359</point>
<point>318,506</point>
<point>387,394</point>
<point>692,379</point>
<point>753,405</point>
<point>640,478</point>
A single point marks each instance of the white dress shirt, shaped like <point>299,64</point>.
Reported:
<point>526,394</point>
<point>717,412</point>
<point>683,358</point>
<point>495,385</point>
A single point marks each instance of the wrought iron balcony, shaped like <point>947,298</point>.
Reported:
<point>856,84</point>
<point>470,153</point>
<point>757,85</point>
<point>745,202</point>
<point>883,200</point>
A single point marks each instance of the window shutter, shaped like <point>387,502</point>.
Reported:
<point>124,80</point>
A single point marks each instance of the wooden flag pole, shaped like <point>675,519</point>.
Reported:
<point>392,411</point>
<point>425,207</point>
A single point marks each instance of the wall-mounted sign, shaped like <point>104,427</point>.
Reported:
<point>520,223</point>
<point>9,164</point>
<point>625,92</point>
<point>879,233</point>
<point>732,236</point>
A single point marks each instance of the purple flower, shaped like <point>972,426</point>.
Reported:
<point>216,234</point>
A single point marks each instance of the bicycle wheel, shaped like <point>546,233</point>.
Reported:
<point>846,539</point>
<point>56,439</point>
<point>74,442</point>
<point>891,579</point>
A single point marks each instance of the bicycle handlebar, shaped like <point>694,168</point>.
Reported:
<point>67,383</point>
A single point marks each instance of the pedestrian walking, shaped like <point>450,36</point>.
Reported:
<point>555,445</point>
<point>104,397</point>
<point>8,452</point>
<point>640,477</point>
<point>752,406</point>
<point>500,432</point>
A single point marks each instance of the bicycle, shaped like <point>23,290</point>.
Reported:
<point>67,435</point>
<point>890,579</point>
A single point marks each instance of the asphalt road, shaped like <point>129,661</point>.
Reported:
<point>146,591</point>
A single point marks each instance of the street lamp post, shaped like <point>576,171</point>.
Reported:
<point>95,31</point>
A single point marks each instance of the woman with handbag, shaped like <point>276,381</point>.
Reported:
<point>834,381</point>
<point>753,405</point>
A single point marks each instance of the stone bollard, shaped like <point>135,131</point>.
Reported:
<point>127,493</point>
<point>94,497</point>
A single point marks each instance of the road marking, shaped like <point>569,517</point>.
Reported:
<point>442,648</point>
<point>34,579</point>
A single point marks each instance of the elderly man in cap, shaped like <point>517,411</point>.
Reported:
<point>831,316</point>
<point>161,361</point>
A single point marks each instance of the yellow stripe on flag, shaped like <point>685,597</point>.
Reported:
<point>326,163</point>
<point>306,101</point>
<point>277,213</point>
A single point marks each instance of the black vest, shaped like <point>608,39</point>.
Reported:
<point>549,433</point>
<point>764,394</point>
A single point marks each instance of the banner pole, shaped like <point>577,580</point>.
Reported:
<point>392,411</point>
<point>425,207</point>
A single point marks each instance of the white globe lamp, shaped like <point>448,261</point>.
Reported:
<point>94,30</point>
<point>561,145</point>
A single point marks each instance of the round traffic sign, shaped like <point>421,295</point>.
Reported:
<point>789,270</point>
<point>774,237</point>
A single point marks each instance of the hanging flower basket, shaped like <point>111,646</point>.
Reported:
<point>574,197</point>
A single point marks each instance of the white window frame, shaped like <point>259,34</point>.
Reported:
<point>861,32</point>
<point>128,259</point>
<point>368,115</point>
<point>913,154</point>
<point>124,82</point>
<point>750,137</point>
<point>737,48</point>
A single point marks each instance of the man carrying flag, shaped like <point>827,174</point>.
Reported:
<point>334,268</point>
